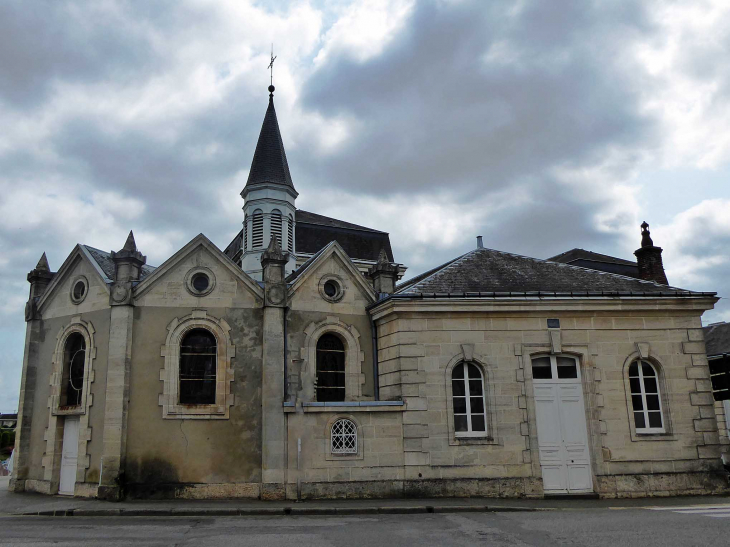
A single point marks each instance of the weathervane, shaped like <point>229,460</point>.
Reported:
<point>271,65</point>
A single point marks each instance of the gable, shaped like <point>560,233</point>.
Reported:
<point>331,263</point>
<point>169,284</point>
<point>57,302</point>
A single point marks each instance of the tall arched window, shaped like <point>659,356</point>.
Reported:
<point>72,382</point>
<point>467,387</point>
<point>198,358</point>
<point>646,397</point>
<point>290,228</point>
<point>257,229</point>
<point>276,225</point>
<point>330,368</point>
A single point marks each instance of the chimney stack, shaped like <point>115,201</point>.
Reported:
<point>649,258</point>
<point>480,245</point>
<point>383,274</point>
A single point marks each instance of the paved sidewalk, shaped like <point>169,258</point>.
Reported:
<point>38,504</point>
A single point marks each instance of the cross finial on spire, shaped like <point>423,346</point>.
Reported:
<point>271,68</point>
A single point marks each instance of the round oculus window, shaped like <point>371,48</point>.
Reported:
<point>331,288</point>
<point>79,290</point>
<point>200,282</point>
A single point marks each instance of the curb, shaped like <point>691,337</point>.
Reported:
<point>280,511</point>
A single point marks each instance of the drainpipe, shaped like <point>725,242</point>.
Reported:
<point>286,376</point>
<point>376,380</point>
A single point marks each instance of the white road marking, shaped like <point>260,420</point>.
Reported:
<point>713,511</point>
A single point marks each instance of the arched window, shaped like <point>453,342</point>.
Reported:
<point>291,234</point>
<point>467,387</point>
<point>257,229</point>
<point>276,225</point>
<point>72,382</point>
<point>646,397</point>
<point>343,437</point>
<point>198,358</point>
<point>330,368</point>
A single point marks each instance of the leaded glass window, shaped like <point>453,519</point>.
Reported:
<point>74,359</point>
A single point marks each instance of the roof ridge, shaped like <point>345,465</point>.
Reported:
<point>600,272</point>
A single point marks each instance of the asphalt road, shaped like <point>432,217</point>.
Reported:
<point>593,527</point>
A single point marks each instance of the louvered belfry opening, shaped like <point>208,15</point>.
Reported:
<point>290,228</point>
<point>257,229</point>
<point>198,359</point>
<point>330,369</point>
<point>276,225</point>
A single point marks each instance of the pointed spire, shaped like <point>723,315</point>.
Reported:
<point>42,265</point>
<point>130,245</point>
<point>269,161</point>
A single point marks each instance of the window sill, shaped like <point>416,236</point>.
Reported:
<point>639,436</point>
<point>348,406</point>
<point>69,410</point>
<point>459,440</point>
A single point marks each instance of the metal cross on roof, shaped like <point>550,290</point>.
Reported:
<point>271,64</point>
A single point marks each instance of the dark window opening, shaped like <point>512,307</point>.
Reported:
<point>330,369</point>
<point>79,290</point>
<point>720,377</point>
<point>541,369</point>
<point>553,323</point>
<point>72,380</point>
<point>198,359</point>
<point>200,282</point>
<point>567,368</point>
<point>330,289</point>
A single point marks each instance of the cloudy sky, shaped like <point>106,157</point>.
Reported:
<point>541,125</point>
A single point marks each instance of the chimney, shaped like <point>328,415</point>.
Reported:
<point>649,258</point>
<point>480,245</point>
<point>383,274</point>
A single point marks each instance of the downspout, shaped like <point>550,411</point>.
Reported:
<point>376,379</point>
<point>286,347</point>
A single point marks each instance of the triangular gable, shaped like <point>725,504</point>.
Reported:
<point>333,249</point>
<point>198,241</point>
<point>78,252</point>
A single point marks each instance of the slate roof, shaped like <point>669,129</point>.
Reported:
<point>717,338</point>
<point>269,160</point>
<point>314,232</point>
<point>598,261</point>
<point>497,273</point>
<point>105,262</point>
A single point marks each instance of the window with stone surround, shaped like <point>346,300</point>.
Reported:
<point>198,371</point>
<point>646,398</point>
<point>469,405</point>
<point>72,381</point>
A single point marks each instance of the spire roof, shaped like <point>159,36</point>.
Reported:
<point>269,161</point>
<point>43,264</point>
<point>130,244</point>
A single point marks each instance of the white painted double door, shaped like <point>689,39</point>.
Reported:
<point>562,436</point>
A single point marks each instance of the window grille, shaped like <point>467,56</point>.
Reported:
<point>291,233</point>
<point>198,360</point>
<point>646,398</point>
<point>467,388</point>
<point>257,230</point>
<point>330,368</point>
<point>344,437</point>
<point>72,382</point>
<point>276,222</point>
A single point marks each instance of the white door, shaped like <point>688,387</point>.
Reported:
<point>562,435</point>
<point>69,455</point>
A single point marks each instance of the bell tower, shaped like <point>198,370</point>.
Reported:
<point>269,199</point>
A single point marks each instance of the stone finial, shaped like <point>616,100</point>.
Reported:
<point>646,240</point>
<point>383,274</point>
<point>130,244</point>
<point>649,258</point>
<point>128,262</point>
<point>273,251</point>
<point>42,265</point>
<point>273,262</point>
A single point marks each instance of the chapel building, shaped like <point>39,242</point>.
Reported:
<point>293,365</point>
